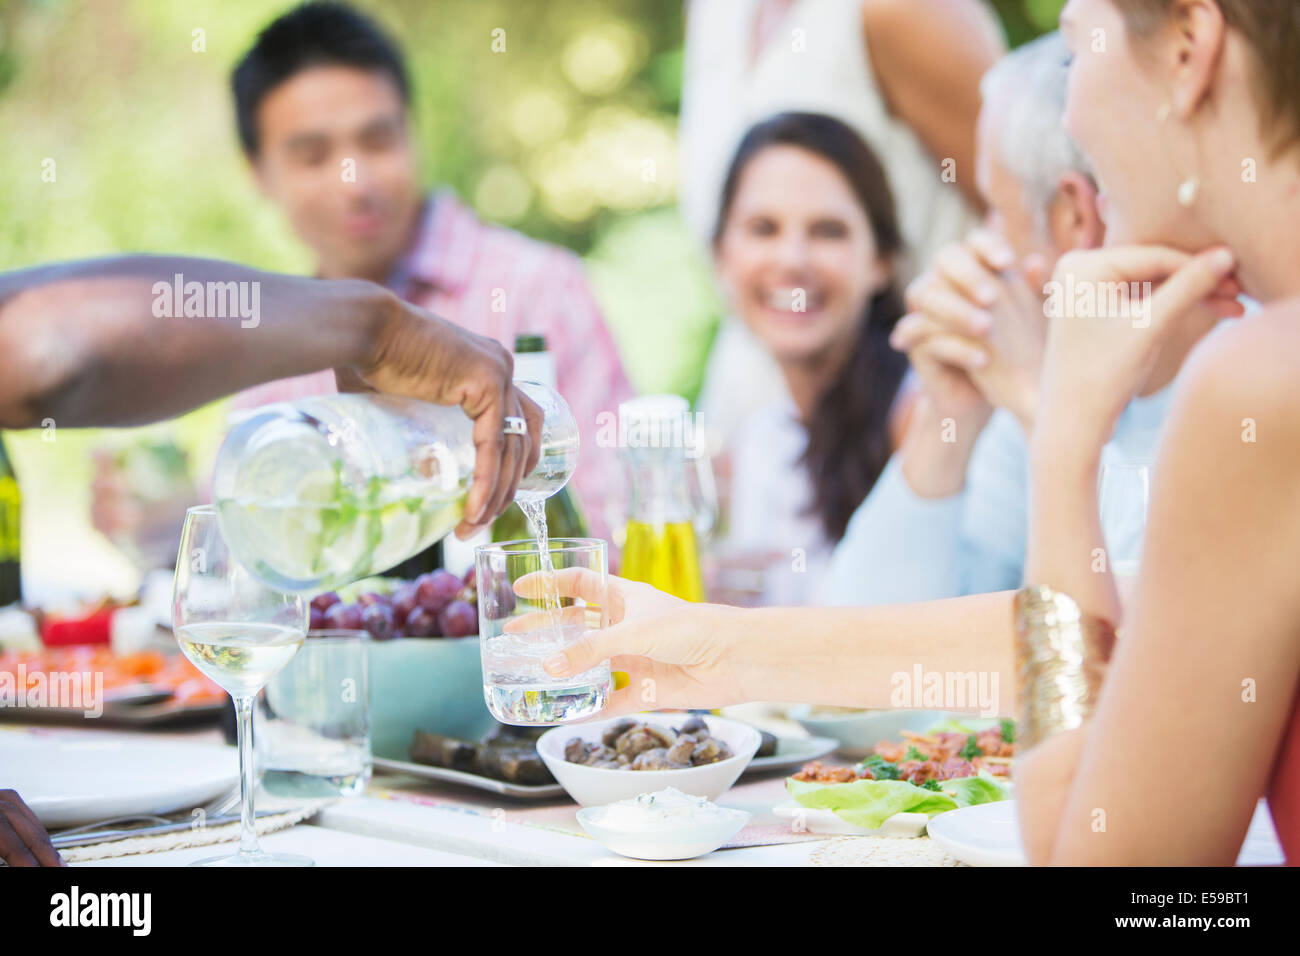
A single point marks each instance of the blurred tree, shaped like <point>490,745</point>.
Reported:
<point>1026,19</point>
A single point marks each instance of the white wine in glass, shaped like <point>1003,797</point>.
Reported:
<point>242,658</point>
<point>240,633</point>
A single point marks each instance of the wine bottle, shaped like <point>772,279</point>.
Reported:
<point>533,363</point>
<point>11,582</point>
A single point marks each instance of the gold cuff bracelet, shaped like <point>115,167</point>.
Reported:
<point>1061,657</point>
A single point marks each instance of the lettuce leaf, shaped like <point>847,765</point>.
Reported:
<point>969,791</point>
<point>869,803</point>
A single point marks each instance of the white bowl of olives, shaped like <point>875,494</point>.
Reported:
<point>605,761</point>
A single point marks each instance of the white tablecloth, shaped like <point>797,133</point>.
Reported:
<point>406,821</point>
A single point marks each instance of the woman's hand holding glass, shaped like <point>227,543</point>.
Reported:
<point>674,652</point>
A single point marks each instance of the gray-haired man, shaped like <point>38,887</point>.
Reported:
<point>948,516</point>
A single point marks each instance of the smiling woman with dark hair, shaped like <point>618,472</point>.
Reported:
<point>804,249</point>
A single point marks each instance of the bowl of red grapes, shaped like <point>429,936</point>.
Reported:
<point>436,604</point>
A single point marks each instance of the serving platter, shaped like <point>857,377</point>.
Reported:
<point>791,754</point>
<point>544,791</point>
<point>143,706</point>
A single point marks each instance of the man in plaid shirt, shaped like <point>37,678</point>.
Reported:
<point>321,100</point>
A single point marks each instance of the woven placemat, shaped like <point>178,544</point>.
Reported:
<point>197,836</point>
<point>880,851</point>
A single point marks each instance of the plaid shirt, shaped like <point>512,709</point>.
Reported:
<point>499,283</point>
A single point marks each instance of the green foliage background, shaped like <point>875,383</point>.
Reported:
<point>550,137</point>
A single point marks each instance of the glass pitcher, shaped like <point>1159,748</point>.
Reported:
<point>670,502</point>
<point>319,492</point>
<point>563,515</point>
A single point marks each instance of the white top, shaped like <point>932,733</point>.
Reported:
<point>815,61</point>
<point>770,495</point>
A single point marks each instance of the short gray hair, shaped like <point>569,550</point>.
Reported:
<point>1028,87</point>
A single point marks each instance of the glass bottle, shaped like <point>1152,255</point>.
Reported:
<point>665,511</point>
<point>322,491</point>
<point>11,579</point>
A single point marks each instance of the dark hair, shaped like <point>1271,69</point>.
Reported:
<point>312,34</point>
<point>848,432</point>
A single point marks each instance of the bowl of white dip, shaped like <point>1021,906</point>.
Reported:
<point>664,825</point>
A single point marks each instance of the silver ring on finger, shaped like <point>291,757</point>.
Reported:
<point>515,425</point>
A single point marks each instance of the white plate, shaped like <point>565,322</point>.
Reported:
<point>537,792</point>
<point>791,754</point>
<point>983,835</point>
<point>829,822</point>
<point>71,779</point>
<point>988,835</point>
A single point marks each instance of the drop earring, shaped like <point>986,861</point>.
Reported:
<point>1190,187</point>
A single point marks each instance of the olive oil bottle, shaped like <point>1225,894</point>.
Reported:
<point>662,547</point>
<point>664,555</point>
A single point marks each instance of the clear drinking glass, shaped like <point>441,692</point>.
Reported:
<point>239,632</point>
<point>1123,501</point>
<point>313,720</point>
<point>517,632</point>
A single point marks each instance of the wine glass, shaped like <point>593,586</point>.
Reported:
<point>1123,501</point>
<point>238,632</point>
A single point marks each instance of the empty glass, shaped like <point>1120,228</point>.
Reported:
<point>1123,500</point>
<point>313,720</point>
